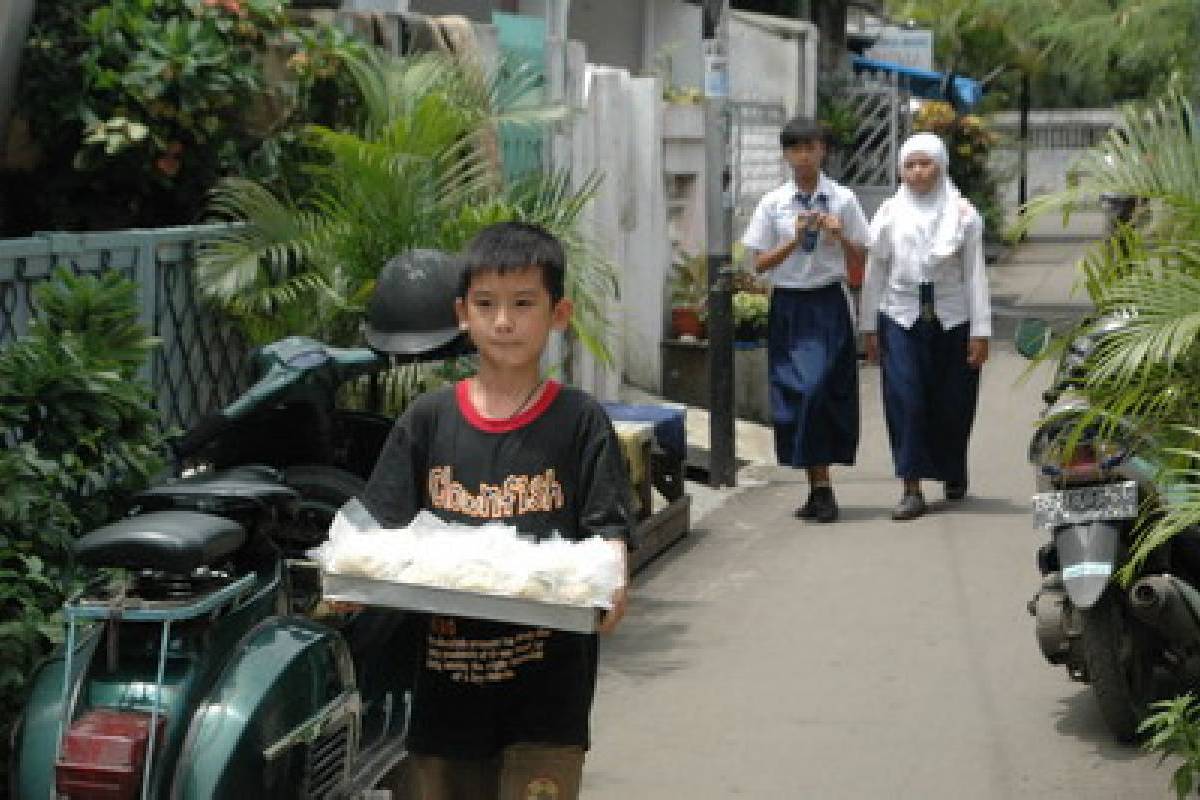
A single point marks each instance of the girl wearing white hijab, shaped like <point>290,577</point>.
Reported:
<point>927,320</point>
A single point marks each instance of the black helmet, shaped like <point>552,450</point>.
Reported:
<point>411,311</point>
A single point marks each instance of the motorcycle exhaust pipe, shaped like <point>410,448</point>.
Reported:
<point>1169,606</point>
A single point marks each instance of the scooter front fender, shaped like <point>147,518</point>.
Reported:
<point>1087,554</point>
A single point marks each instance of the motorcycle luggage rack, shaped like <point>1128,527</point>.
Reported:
<point>118,608</point>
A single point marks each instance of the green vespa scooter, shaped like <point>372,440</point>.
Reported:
<point>208,671</point>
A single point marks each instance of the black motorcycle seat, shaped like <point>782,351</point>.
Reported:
<point>256,484</point>
<point>178,542</point>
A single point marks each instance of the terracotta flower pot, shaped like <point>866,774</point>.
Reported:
<point>685,321</point>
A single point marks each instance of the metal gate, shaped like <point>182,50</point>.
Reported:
<point>201,363</point>
<point>869,164</point>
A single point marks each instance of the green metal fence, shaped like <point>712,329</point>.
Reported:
<point>201,362</point>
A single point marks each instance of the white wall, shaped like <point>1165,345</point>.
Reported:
<point>1057,138</point>
<point>648,251</point>
<point>618,132</point>
<point>763,67</point>
<point>773,60</point>
<point>598,143</point>
<point>675,40</point>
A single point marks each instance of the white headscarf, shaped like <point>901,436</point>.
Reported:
<point>936,217</point>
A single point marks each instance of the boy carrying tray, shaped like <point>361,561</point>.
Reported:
<point>501,710</point>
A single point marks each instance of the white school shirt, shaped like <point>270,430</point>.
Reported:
<point>895,271</point>
<point>774,222</point>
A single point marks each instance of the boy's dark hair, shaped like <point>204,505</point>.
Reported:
<point>513,246</point>
<point>800,130</point>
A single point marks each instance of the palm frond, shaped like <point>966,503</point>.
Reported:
<point>1179,501</point>
<point>423,171</point>
<point>1152,155</point>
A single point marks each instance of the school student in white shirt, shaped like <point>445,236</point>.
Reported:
<point>802,235</point>
<point>927,319</point>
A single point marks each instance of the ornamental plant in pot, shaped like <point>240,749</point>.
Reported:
<point>689,294</point>
<point>750,309</point>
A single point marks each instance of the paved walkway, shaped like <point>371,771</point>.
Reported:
<point>765,657</point>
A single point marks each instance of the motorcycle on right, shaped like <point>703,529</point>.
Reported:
<point>1133,643</point>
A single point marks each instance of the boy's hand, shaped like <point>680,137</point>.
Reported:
<point>806,221</point>
<point>831,224</point>
<point>977,352</point>
<point>608,623</point>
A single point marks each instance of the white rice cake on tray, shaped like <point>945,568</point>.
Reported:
<point>455,602</point>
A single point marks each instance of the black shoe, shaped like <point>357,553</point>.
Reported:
<point>911,506</point>
<point>956,490</point>
<point>821,505</point>
<point>809,509</point>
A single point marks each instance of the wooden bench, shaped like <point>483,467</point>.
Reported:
<point>653,441</point>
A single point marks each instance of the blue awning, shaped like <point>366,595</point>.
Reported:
<point>961,92</point>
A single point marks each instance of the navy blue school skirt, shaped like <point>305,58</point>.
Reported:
<point>812,362</point>
<point>929,398</point>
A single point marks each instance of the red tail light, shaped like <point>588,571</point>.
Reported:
<point>1083,457</point>
<point>103,755</point>
<point>1083,464</point>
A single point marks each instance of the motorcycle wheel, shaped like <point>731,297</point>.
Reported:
<point>1120,664</point>
<point>323,490</point>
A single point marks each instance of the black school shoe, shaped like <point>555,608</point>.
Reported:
<point>820,505</point>
<point>955,490</point>
<point>911,506</point>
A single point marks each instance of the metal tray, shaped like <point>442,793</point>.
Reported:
<point>353,589</point>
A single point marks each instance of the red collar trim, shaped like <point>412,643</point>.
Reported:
<point>488,425</point>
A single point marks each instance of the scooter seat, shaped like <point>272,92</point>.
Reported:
<point>258,485</point>
<point>178,542</point>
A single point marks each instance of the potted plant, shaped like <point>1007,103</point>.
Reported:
<point>689,295</point>
<point>750,310</point>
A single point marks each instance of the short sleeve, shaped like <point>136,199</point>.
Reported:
<point>393,494</point>
<point>878,241</point>
<point>854,222</point>
<point>606,504</point>
<point>759,234</point>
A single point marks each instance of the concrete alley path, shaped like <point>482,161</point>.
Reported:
<point>764,657</point>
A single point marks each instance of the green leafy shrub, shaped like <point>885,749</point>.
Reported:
<point>840,118</point>
<point>750,311</point>
<point>80,438</point>
<point>421,170</point>
<point>135,108</point>
<point>1174,730</point>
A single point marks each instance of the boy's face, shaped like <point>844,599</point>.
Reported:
<point>805,158</point>
<point>509,316</point>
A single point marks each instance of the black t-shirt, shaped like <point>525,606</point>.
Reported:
<point>481,685</point>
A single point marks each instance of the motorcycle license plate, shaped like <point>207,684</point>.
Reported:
<point>1087,504</point>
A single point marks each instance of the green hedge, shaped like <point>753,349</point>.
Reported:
<point>80,438</point>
